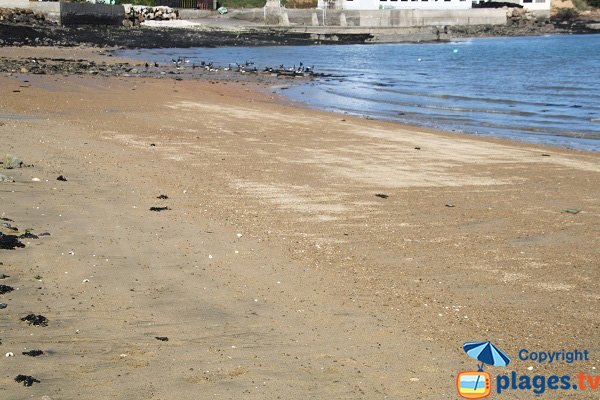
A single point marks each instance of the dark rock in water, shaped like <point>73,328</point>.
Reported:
<point>159,209</point>
<point>3,276</point>
<point>28,235</point>
<point>5,289</point>
<point>163,197</point>
<point>33,353</point>
<point>382,195</point>
<point>61,178</point>
<point>152,145</point>
<point>35,320</point>
<point>3,306</point>
<point>162,338</point>
<point>26,380</point>
<point>9,242</point>
<point>44,234</point>
<point>6,219</point>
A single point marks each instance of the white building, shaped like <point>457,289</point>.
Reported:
<point>396,4</point>
<point>535,5</point>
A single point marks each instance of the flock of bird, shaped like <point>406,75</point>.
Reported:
<point>247,67</point>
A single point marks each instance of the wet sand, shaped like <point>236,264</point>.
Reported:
<point>278,272</point>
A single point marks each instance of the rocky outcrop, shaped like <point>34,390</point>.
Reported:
<point>135,15</point>
<point>521,17</point>
<point>22,16</point>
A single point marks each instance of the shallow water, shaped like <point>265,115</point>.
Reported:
<point>535,89</point>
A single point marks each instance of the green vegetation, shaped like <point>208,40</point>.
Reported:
<point>150,3</point>
<point>580,4</point>
<point>242,3</point>
<point>583,5</point>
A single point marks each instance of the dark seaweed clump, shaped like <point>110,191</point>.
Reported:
<point>28,235</point>
<point>35,320</point>
<point>159,209</point>
<point>26,380</point>
<point>5,289</point>
<point>9,242</point>
<point>33,353</point>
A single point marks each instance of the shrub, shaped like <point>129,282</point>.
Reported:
<point>566,14</point>
<point>580,4</point>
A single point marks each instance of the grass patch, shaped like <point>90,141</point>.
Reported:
<point>242,3</point>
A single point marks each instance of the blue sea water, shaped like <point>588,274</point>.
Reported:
<point>543,89</point>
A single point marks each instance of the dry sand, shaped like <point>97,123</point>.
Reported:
<point>330,292</point>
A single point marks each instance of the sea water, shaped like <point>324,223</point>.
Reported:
<point>542,89</point>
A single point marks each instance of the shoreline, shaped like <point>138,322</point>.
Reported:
<point>277,270</point>
<point>129,65</point>
<point>89,61</point>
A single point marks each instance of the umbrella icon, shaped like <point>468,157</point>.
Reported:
<point>487,353</point>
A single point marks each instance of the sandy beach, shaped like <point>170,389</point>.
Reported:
<point>303,254</point>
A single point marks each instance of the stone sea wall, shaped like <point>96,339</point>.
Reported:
<point>371,18</point>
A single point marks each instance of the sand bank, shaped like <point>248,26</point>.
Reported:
<point>277,272</point>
